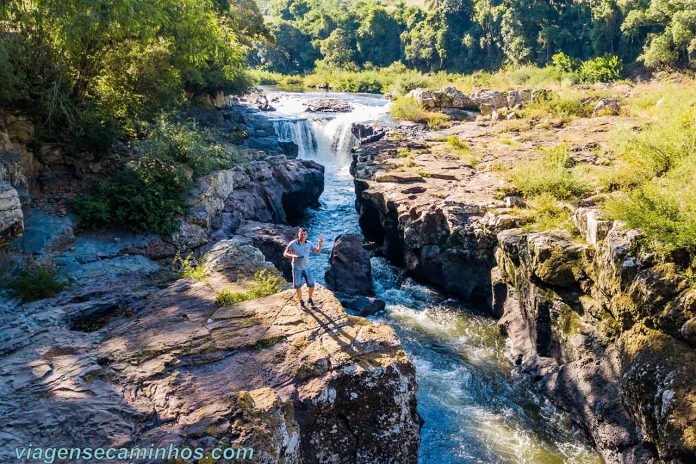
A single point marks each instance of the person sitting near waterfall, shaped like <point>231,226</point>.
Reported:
<point>298,250</point>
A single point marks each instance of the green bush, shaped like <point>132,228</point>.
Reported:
<point>564,63</point>
<point>550,174</point>
<point>265,283</point>
<point>37,282</point>
<point>183,144</point>
<point>408,109</point>
<point>150,192</point>
<point>654,174</point>
<point>186,267</point>
<point>607,68</point>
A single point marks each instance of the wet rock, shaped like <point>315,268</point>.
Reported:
<point>328,105</point>
<point>349,269</point>
<point>363,305</point>
<point>11,216</point>
<point>289,148</point>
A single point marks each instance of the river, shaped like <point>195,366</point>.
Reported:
<point>475,407</point>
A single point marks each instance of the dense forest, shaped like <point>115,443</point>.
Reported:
<point>468,35</point>
<point>92,72</point>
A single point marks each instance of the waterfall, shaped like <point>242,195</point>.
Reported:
<point>317,138</point>
<point>300,132</point>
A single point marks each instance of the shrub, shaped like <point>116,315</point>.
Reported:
<point>408,109</point>
<point>150,192</point>
<point>183,144</point>
<point>655,173</point>
<point>563,105</point>
<point>550,174</point>
<point>37,282</point>
<point>549,213</point>
<point>265,283</point>
<point>186,267</point>
<point>458,144</point>
<point>146,197</point>
<point>564,63</point>
<point>607,68</point>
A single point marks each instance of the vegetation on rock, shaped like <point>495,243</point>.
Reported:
<point>265,283</point>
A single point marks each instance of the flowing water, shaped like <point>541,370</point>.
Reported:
<point>475,410</point>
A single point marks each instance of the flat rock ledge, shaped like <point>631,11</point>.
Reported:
<point>170,367</point>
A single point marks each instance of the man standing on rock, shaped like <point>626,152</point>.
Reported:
<point>298,250</point>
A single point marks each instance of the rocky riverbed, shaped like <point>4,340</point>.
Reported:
<point>602,327</point>
<point>130,355</point>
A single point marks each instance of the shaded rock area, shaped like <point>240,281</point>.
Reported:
<point>603,328</point>
<point>349,269</point>
<point>271,239</point>
<point>135,365</point>
<point>11,216</point>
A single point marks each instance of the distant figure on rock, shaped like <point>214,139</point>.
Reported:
<point>298,250</point>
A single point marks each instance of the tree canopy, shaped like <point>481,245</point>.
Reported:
<point>469,35</point>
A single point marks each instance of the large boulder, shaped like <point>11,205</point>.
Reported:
<point>235,257</point>
<point>349,269</point>
<point>328,105</point>
<point>11,216</point>
<point>271,239</point>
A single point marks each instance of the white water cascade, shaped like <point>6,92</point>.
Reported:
<point>322,136</point>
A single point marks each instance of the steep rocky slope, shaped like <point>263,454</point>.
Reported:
<point>603,328</point>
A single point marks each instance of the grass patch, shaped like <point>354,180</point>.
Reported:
<point>37,282</point>
<point>408,109</point>
<point>186,268</point>
<point>550,174</point>
<point>547,213</point>
<point>265,283</point>
<point>564,105</point>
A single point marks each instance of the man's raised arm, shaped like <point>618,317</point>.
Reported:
<point>317,250</point>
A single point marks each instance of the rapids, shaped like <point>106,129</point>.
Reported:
<point>475,407</point>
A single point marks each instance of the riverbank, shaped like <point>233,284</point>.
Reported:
<point>141,345</point>
<point>596,320</point>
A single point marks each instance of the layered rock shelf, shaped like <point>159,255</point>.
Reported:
<point>168,367</point>
<point>603,328</point>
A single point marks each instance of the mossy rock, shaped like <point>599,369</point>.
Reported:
<point>658,389</point>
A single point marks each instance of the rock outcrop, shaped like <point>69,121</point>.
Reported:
<point>328,105</point>
<point>349,275</point>
<point>453,101</point>
<point>135,366</point>
<point>269,189</point>
<point>603,328</point>
<point>349,266</point>
<point>11,216</point>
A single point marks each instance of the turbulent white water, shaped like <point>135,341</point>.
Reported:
<point>475,410</point>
